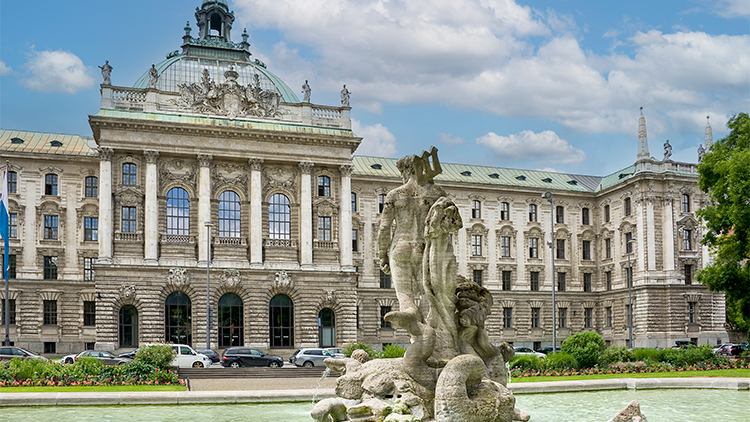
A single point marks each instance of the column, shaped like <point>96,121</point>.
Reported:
<point>105,205</point>
<point>151,214</point>
<point>345,218</point>
<point>651,234</point>
<point>668,242</point>
<point>256,213</point>
<point>640,239</point>
<point>305,216</point>
<point>204,204</point>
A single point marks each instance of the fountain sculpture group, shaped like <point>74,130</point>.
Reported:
<point>450,371</point>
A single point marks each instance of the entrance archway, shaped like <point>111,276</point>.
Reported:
<point>177,319</point>
<point>326,328</point>
<point>128,326</point>
<point>281,321</point>
<point>230,321</point>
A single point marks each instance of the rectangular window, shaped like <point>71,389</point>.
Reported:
<point>535,317</point>
<point>608,248</point>
<point>507,317</point>
<point>381,202</point>
<point>506,280</point>
<point>88,269</point>
<point>628,243</point>
<point>562,317</point>
<point>587,250</point>
<point>688,274</point>
<point>534,247</point>
<point>608,311</point>
<point>324,229</point>
<point>13,229</point>
<point>560,249</point>
<point>585,216</point>
<point>50,347</point>
<point>354,202</point>
<point>50,184</point>
<point>534,281</point>
<point>586,282</point>
<point>477,276</point>
<point>50,227</point>
<point>560,214</point>
<point>588,317</point>
<point>628,209</point>
<point>50,312</point>
<point>92,187</point>
<point>476,209</point>
<point>687,240</point>
<point>608,277</point>
<point>606,213</point>
<point>11,309</point>
<point>505,246</point>
<point>129,174</point>
<point>89,313</point>
<point>324,186</point>
<point>561,282</point>
<point>476,245</point>
<point>12,182</point>
<point>11,266</point>
<point>532,213</point>
<point>354,240</point>
<point>385,280</point>
<point>685,202</point>
<point>504,211</point>
<point>691,312</point>
<point>383,311</point>
<point>50,268</point>
<point>91,229</point>
<point>128,219</point>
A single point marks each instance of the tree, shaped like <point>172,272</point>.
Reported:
<point>724,174</point>
<point>586,347</point>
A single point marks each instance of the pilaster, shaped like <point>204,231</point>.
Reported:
<point>305,218</point>
<point>151,214</point>
<point>256,213</point>
<point>345,218</point>
<point>105,205</point>
<point>204,204</point>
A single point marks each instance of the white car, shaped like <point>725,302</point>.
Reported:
<point>527,351</point>
<point>186,357</point>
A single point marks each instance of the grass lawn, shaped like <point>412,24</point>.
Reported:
<point>92,389</point>
<point>734,373</point>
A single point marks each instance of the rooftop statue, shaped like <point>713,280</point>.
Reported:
<point>667,150</point>
<point>306,91</point>
<point>153,77</point>
<point>345,94</point>
<point>106,72</point>
<point>451,372</point>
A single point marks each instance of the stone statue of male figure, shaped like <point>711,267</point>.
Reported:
<point>401,240</point>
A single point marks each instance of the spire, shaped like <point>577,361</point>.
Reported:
<point>642,138</point>
<point>709,134</point>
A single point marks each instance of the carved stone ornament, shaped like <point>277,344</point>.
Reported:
<point>229,98</point>
<point>231,278</point>
<point>256,164</point>
<point>279,177</point>
<point>204,160</point>
<point>283,280</point>
<point>178,277</point>
<point>177,171</point>
<point>151,156</point>
<point>127,292</point>
<point>346,170</point>
<point>106,154</point>
<point>229,175</point>
<point>330,297</point>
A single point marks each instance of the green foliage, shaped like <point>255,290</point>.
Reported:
<point>351,347</point>
<point>89,365</point>
<point>647,355</point>
<point>724,173</point>
<point>526,362</point>
<point>392,351</point>
<point>160,356</point>
<point>616,354</point>
<point>689,355</point>
<point>560,361</point>
<point>585,348</point>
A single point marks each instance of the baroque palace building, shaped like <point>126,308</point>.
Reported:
<point>110,248</point>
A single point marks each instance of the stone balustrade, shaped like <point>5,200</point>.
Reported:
<point>280,243</point>
<point>229,241</point>
<point>128,237</point>
<point>177,238</point>
<point>326,245</point>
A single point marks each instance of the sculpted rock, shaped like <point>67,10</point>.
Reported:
<point>631,413</point>
<point>462,395</point>
<point>330,410</point>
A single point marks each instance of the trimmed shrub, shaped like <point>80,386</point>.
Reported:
<point>392,351</point>
<point>615,354</point>
<point>560,361</point>
<point>585,347</point>
<point>160,356</point>
<point>351,347</point>
<point>89,365</point>
<point>647,355</point>
<point>526,362</point>
<point>689,355</point>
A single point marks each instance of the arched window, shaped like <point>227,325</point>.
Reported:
<point>281,321</point>
<point>279,217</point>
<point>178,211</point>
<point>229,214</point>
<point>128,326</point>
<point>326,328</point>
<point>230,321</point>
<point>128,174</point>
<point>324,186</point>
<point>92,187</point>
<point>177,319</point>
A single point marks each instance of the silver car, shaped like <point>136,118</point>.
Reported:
<point>312,357</point>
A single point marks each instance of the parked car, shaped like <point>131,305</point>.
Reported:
<point>731,350</point>
<point>312,357</point>
<point>291,358</point>
<point>235,357</point>
<point>548,349</point>
<point>215,358</point>
<point>129,355</point>
<point>8,353</point>
<point>337,352</point>
<point>107,358</point>
<point>186,357</point>
<point>528,351</point>
<point>717,349</point>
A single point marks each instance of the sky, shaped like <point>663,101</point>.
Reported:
<point>544,85</point>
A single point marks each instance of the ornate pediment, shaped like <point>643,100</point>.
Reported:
<point>171,171</point>
<point>231,278</point>
<point>178,278</point>
<point>279,177</point>
<point>229,98</point>
<point>229,175</point>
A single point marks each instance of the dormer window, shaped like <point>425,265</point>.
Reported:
<point>521,177</point>
<point>56,143</point>
<point>376,166</point>
<point>572,182</point>
<point>16,141</point>
<point>494,176</point>
<point>466,173</point>
<point>547,180</point>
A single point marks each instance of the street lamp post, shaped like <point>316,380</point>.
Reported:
<point>629,248</point>
<point>208,225</point>
<point>548,195</point>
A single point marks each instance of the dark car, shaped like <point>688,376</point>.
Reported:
<point>8,353</point>
<point>106,358</point>
<point>215,358</point>
<point>732,350</point>
<point>548,349</point>
<point>129,355</point>
<point>235,357</point>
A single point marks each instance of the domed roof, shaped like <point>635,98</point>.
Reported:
<point>224,2</point>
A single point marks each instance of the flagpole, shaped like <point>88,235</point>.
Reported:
<point>4,204</point>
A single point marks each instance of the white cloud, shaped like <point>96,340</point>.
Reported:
<point>447,138</point>
<point>732,8</point>
<point>543,147</point>
<point>57,71</point>
<point>5,69</point>
<point>377,140</point>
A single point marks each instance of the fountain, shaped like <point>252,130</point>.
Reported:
<point>451,372</point>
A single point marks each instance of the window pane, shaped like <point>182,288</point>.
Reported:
<point>279,217</point>
<point>229,214</point>
<point>178,212</point>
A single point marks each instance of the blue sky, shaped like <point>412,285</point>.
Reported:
<point>522,84</point>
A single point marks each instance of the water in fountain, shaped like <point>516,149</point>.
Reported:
<point>322,379</point>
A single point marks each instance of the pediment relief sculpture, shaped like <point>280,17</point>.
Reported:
<point>279,177</point>
<point>176,171</point>
<point>231,278</point>
<point>127,291</point>
<point>229,175</point>
<point>282,280</point>
<point>178,277</point>
<point>129,197</point>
